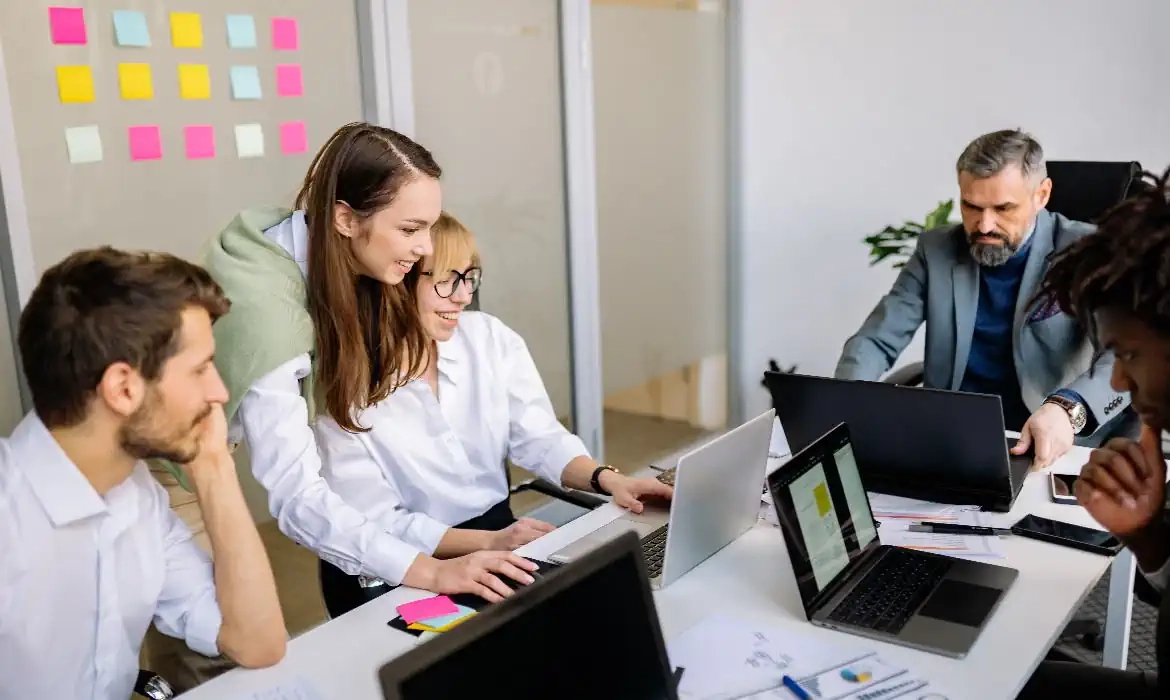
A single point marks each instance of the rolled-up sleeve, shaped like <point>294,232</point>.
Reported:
<point>187,607</point>
<point>286,462</point>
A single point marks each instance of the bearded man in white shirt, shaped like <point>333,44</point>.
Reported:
<point>117,349</point>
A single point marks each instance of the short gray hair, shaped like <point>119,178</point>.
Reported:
<point>989,154</point>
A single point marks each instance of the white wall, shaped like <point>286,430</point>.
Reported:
<point>853,113</point>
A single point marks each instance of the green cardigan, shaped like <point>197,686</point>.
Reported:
<point>269,322</point>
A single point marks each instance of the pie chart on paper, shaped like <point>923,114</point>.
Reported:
<point>856,675</point>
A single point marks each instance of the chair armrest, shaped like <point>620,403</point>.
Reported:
<point>153,686</point>
<point>910,375</point>
<point>546,487</point>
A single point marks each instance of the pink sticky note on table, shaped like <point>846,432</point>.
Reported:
<point>145,143</point>
<point>285,36</point>
<point>293,138</point>
<point>427,608</point>
<point>67,25</point>
<point>200,141</point>
<point>289,82</point>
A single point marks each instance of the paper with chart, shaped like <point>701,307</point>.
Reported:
<point>725,658</point>
<point>819,525</point>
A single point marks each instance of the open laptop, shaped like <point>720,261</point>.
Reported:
<point>530,645</point>
<point>716,499</point>
<point>851,582</point>
<point>932,444</point>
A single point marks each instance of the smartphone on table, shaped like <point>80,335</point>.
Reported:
<point>1067,534</point>
<point>1061,488</point>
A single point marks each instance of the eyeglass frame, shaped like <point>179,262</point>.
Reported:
<point>460,277</point>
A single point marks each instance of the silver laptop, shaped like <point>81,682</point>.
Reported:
<point>716,499</point>
<point>851,582</point>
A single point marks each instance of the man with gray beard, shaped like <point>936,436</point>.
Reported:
<point>973,286</point>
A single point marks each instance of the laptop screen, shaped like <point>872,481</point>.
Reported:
<point>824,512</point>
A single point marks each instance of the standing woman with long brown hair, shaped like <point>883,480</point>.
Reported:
<point>321,325</point>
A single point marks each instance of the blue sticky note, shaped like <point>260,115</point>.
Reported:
<point>245,83</point>
<point>443,621</point>
<point>130,28</point>
<point>241,32</point>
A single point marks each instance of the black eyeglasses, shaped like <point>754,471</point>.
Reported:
<point>447,288</point>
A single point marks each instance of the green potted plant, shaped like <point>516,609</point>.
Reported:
<point>898,243</point>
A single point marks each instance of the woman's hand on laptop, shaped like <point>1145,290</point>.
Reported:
<point>477,573</point>
<point>631,493</point>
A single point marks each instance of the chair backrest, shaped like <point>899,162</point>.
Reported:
<point>1083,190</point>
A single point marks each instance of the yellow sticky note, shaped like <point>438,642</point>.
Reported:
<point>135,81</point>
<point>75,83</point>
<point>194,81</point>
<point>186,30</point>
<point>821,494</point>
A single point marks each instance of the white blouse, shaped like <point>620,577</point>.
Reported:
<point>430,463</point>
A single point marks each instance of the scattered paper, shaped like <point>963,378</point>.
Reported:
<point>75,84</point>
<point>285,34</point>
<point>249,140</point>
<point>145,143</point>
<point>186,30</point>
<point>200,141</point>
<point>289,82</point>
<point>887,506</point>
<point>130,29</point>
<point>194,81</point>
<point>245,83</point>
<point>295,689</point>
<point>241,32</point>
<point>896,533</point>
<point>293,138</point>
<point>135,81</point>
<point>67,25</point>
<point>84,144</point>
<point>426,608</point>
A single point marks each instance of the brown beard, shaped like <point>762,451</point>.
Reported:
<point>143,438</point>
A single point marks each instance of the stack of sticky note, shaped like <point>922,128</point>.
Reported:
<point>437,614</point>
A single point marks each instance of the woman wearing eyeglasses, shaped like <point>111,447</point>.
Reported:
<point>433,465</point>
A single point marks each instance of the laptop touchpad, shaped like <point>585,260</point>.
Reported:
<point>961,602</point>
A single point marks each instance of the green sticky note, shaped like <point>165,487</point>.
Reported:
<point>245,83</point>
<point>241,32</point>
<point>130,28</point>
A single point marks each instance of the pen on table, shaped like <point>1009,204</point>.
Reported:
<point>795,688</point>
<point>958,529</point>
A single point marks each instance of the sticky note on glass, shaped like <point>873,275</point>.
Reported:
<point>84,144</point>
<point>130,28</point>
<point>289,82</point>
<point>194,81</point>
<point>75,83</point>
<point>249,140</point>
<point>426,608</point>
<point>245,83</point>
<point>200,141</point>
<point>241,32</point>
<point>67,25</point>
<point>135,81</point>
<point>821,496</point>
<point>285,34</point>
<point>145,143</point>
<point>186,30</point>
<point>293,138</point>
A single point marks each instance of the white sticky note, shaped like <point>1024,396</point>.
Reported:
<point>84,144</point>
<point>249,140</point>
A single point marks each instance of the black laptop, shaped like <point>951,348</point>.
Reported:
<point>936,445</point>
<point>851,582</point>
<point>537,643</point>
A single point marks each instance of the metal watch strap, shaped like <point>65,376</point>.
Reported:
<point>595,480</point>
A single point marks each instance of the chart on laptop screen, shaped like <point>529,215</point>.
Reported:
<point>819,525</point>
<point>855,496</point>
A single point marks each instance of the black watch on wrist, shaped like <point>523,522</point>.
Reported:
<point>595,480</point>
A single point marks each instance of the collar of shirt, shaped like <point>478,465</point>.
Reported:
<point>453,358</point>
<point>64,492</point>
<point>292,234</point>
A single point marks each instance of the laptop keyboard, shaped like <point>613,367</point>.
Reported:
<point>653,549</point>
<point>892,591</point>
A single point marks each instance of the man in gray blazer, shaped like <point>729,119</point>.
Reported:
<point>973,285</point>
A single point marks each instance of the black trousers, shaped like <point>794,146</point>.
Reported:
<point>1065,680</point>
<point>343,592</point>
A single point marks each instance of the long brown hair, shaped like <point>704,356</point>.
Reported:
<point>369,340</point>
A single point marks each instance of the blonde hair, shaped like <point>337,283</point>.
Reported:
<point>453,244</point>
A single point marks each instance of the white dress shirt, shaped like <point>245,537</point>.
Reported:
<point>430,463</point>
<point>81,576</point>
<point>273,419</point>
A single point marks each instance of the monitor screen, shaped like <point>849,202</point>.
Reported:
<point>596,637</point>
<point>824,512</point>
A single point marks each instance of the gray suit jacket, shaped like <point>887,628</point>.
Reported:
<point>940,286</point>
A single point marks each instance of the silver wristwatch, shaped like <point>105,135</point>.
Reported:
<point>1077,415</point>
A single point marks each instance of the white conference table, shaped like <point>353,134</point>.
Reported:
<point>752,579</point>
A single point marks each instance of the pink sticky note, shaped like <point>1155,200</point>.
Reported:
<point>145,143</point>
<point>67,25</point>
<point>288,81</point>
<point>293,138</point>
<point>427,608</point>
<point>200,141</point>
<point>284,34</point>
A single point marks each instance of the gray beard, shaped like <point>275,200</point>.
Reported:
<point>992,255</point>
